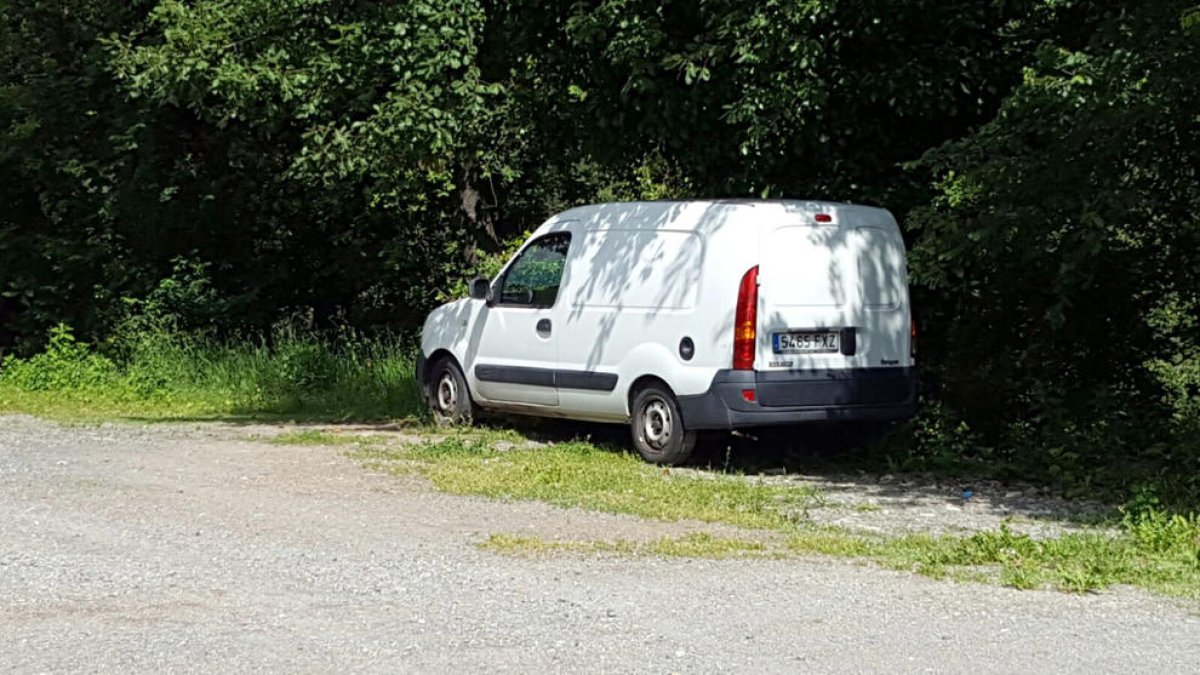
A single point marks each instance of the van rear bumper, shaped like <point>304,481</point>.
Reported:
<point>861,394</point>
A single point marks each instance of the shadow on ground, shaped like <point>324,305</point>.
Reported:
<point>775,451</point>
<point>857,487</point>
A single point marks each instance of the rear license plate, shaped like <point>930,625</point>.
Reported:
<point>806,342</point>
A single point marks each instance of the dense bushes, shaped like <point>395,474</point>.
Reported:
<point>1060,261</point>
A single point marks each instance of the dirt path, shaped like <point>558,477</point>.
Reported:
<point>187,549</point>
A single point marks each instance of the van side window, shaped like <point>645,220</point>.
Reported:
<point>532,280</point>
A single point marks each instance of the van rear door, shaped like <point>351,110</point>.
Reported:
<point>833,295</point>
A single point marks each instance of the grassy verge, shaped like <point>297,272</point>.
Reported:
<point>696,545</point>
<point>579,474</point>
<point>316,437</point>
<point>156,374</point>
<point>1152,550</point>
<point>1074,563</point>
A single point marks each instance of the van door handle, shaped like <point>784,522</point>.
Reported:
<point>543,327</point>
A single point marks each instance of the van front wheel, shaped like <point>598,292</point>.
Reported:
<point>449,398</point>
<point>658,432</point>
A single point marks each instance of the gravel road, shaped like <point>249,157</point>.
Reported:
<point>186,548</point>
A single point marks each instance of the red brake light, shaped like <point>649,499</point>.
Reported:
<point>823,218</point>
<point>745,322</point>
<point>912,336</point>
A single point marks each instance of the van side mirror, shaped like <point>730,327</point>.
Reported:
<point>481,289</point>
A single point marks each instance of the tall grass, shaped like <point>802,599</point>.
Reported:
<point>154,372</point>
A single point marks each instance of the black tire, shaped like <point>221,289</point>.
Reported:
<point>448,397</point>
<point>658,432</point>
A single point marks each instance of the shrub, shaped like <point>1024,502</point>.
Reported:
<point>66,364</point>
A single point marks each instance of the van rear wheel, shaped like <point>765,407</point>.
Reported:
<point>449,399</point>
<point>658,432</point>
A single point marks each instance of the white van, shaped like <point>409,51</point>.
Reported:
<point>680,317</point>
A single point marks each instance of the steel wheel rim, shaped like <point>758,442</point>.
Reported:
<point>657,423</point>
<point>447,393</point>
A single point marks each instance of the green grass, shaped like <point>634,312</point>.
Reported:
<point>1151,550</point>
<point>579,474</point>
<point>1074,563</point>
<point>156,374</point>
<point>696,545</point>
<point>314,437</point>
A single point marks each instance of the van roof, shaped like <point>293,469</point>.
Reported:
<point>656,213</point>
<point>752,201</point>
<point>807,204</point>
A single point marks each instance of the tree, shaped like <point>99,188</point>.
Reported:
<point>1063,251</point>
<point>68,152</point>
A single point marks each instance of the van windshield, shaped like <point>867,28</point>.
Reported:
<point>534,277</point>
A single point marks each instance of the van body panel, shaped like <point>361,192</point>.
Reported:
<point>452,328</point>
<point>847,273</point>
<point>512,360</point>
<point>802,267</point>
<point>650,270</point>
<point>641,282</point>
<point>644,359</point>
<point>649,289</point>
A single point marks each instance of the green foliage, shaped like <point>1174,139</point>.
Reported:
<point>1158,530</point>
<point>580,474</point>
<point>66,364</point>
<point>348,159</point>
<point>1059,260</point>
<point>313,437</point>
<point>936,439</point>
<point>694,545</point>
<point>389,93</point>
<point>1161,532</point>
<point>487,265</point>
<point>159,373</point>
<point>186,298</point>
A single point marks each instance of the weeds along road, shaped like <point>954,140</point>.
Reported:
<point>189,549</point>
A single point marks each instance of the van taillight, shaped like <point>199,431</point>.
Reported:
<point>912,336</point>
<point>745,322</point>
